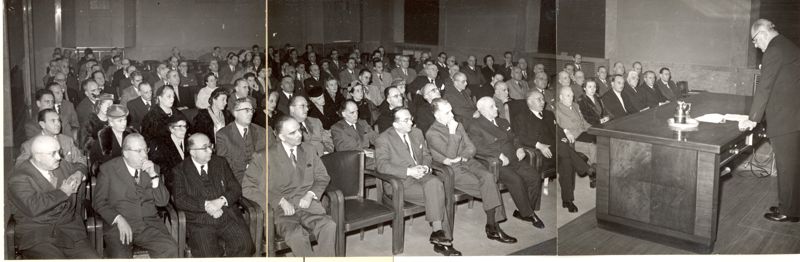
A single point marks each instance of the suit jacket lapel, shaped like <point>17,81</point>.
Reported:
<point>38,177</point>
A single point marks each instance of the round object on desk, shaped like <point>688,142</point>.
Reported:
<point>691,125</point>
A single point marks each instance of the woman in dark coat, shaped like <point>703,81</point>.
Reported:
<point>210,120</point>
<point>167,152</point>
<point>591,106</point>
<point>157,118</point>
<point>87,134</point>
<point>109,139</point>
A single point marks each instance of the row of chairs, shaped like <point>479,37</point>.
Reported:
<point>347,203</point>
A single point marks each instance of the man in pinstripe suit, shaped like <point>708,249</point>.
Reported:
<point>207,191</point>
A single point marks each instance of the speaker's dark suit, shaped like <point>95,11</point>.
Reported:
<point>291,183</point>
<point>614,107</point>
<point>49,226</point>
<point>519,177</point>
<point>116,194</point>
<point>191,191</point>
<point>775,101</point>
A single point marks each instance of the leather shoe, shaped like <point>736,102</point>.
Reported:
<point>519,216</point>
<point>438,238</point>
<point>773,209</point>
<point>495,233</point>
<point>778,217</point>
<point>447,250</point>
<point>537,222</point>
<point>570,206</point>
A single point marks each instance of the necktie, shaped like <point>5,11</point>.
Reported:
<point>494,122</point>
<point>203,172</point>
<point>136,176</point>
<point>405,72</point>
<point>410,150</point>
<point>293,157</point>
<point>244,134</point>
<point>380,76</point>
<point>58,108</point>
<point>52,178</point>
<point>354,127</point>
<point>147,105</point>
<point>304,131</point>
<point>182,150</point>
<point>538,114</point>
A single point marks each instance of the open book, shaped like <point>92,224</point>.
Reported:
<point>720,118</point>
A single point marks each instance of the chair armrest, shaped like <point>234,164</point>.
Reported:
<point>94,227</point>
<point>396,187</point>
<point>10,246</point>
<point>492,163</point>
<point>176,223</point>
<point>256,215</point>
<point>336,211</point>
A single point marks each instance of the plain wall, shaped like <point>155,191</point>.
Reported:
<point>580,27</point>
<point>703,42</point>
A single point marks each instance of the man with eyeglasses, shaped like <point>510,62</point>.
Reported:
<point>460,97</point>
<point>43,193</point>
<point>240,140</point>
<point>241,90</point>
<point>126,195</point>
<point>401,151</point>
<point>394,99</point>
<point>352,133</point>
<point>423,112</point>
<point>206,189</point>
<point>775,102</point>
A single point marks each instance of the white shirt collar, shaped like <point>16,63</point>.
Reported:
<point>288,149</point>
<point>240,128</point>
<point>198,166</point>
<point>131,170</point>
<point>45,173</point>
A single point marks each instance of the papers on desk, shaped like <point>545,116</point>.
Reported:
<point>720,118</point>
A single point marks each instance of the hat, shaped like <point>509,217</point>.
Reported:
<point>105,96</point>
<point>315,91</point>
<point>117,111</point>
<point>398,81</point>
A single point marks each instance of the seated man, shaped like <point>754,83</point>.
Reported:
<point>461,98</point>
<point>50,122</point>
<point>352,133</point>
<point>43,193</point>
<point>401,151</point>
<point>394,99</point>
<point>666,86</point>
<point>493,137</point>
<point>450,145</point>
<point>44,100</point>
<point>128,190</point>
<point>313,133</point>
<point>423,112</point>
<point>255,176</point>
<point>570,118</point>
<point>295,202</point>
<point>213,219</point>
<point>240,140</point>
<point>537,129</point>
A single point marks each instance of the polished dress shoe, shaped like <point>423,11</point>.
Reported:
<point>778,217</point>
<point>519,216</point>
<point>495,233</point>
<point>570,206</point>
<point>438,238</point>
<point>773,209</point>
<point>447,250</point>
<point>537,222</point>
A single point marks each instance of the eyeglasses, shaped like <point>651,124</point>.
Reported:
<point>53,153</point>
<point>206,147</point>
<point>140,151</point>
<point>407,120</point>
<point>754,37</point>
<point>179,126</point>
<point>246,110</point>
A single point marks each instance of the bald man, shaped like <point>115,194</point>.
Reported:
<point>43,193</point>
<point>775,102</point>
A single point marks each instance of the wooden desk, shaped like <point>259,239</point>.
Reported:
<point>662,185</point>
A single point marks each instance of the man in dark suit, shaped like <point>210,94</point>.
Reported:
<point>540,84</point>
<point>119,76</point>
<point>140,105</point>
<point>775,103</point>
<point>66,110</point>
<point>314,135</point>
<point>315,81</point>
<point>297,179</point>
<point>477,85</point>
<point>394,99</point>
<point>349,74</point>
<point>429,76</point>
<point>128,190</point>
<point>44,100</point>
<point>652,96</point>
<point>184,96</point>
<point>240,140</point>
<point>602,81</point>
<point>352,133</point>
<point>423,110</point>
<point>666,86</point>
<point>286,94</point>
<point>450,146</point>
<point>638,101</point>
<point>441,66</point>
<point>616,101</point>
<point>493,137</point>
<point>460,99</point>
<point>403,71</point>
<point>537,129</point>
<point>43,194</point>
<point>86,107</point>
<point>208,192</point>
<point>401,151</point>
<point>335,65</point>
<point>50,122</point>
<point>227,70</point>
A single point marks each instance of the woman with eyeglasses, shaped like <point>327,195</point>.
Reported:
<point>155,121</point>
<point>168,151</point>
<point>210,120</point>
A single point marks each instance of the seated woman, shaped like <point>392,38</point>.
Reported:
<point>168,151</point>
<point>591,106</point>
<point>210,120</point>
<point>87,135</point>
<point>109,139</point>
<point>367,110</point>
<point>157,118</point>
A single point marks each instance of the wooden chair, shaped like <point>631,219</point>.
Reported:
<point>346,169</point>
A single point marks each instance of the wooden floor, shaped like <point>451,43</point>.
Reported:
<point>742,228</point>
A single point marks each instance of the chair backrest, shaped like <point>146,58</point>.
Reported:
<point>346,169</point>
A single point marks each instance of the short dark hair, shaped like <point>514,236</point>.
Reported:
<point>281,122</point>
<point>437,103</point>
<point>397,110</point>
<point>661,71</point>
<point>41,92</point>
<point>386,91</point>
<point>215,94</point>
<point>343,105</point>
<point>43,113</point>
